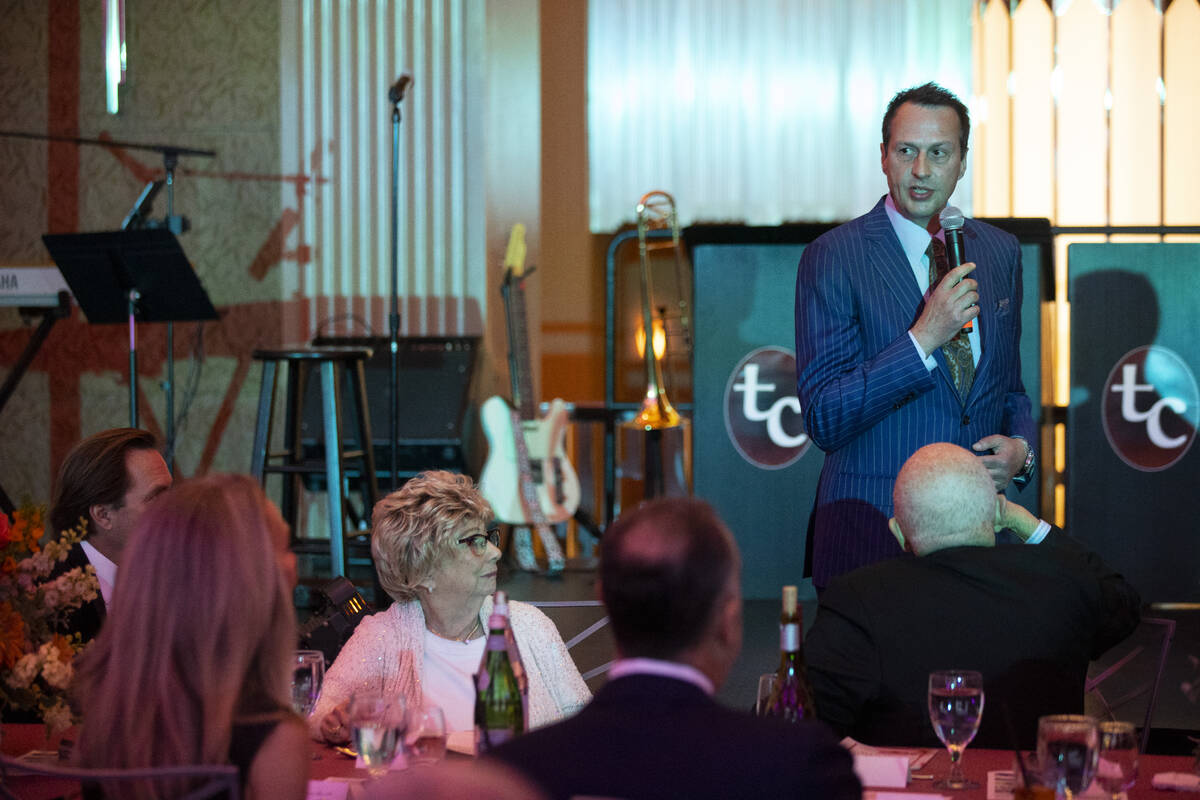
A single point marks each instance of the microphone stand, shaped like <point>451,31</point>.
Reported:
<point>396,96</point>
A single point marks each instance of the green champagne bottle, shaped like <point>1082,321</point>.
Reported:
<point>791,697</point>
<point>499,704</point>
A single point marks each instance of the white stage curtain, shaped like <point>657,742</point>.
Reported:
<point>337,61</point>
<point>757,111</point>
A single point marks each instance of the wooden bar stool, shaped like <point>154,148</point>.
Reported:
<point>332,363</point>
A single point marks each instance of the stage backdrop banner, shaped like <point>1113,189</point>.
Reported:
<point>750,456</point>
<point>1133,472</point>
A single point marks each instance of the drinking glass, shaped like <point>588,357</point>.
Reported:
<point>425,738</point>
<point>1117,768</point>
<point>377,726</point>
<point>955,709</point>
<point>766,683</point>
<point>308,670</point>
<point>1068,747</point>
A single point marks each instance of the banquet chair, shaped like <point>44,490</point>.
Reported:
<point>219,780</point>
<point>1131,670</point>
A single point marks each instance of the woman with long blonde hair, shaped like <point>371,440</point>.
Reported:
<point>192,663</point>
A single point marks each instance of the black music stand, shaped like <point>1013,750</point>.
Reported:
<point>127,277</point>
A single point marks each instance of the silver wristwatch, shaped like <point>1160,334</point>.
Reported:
<point>1026,471</point>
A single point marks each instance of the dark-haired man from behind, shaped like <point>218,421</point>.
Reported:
<point>669,579</point>
<point>1027,616</point>
<point>106,481</point>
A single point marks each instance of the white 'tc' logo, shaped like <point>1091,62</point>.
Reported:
<point>1128,389</point>
<point>750,387</point>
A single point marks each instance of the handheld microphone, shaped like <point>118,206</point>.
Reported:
<point>397,90</point>
<point>952,222</point>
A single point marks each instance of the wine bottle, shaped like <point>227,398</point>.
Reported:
<point>791,697</point>
<point>499,705</point>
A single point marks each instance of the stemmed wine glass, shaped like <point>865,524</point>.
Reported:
<point>955,709</point>
<point>377,724</point>
<point>1117,769</point>
<point>1068,747</point>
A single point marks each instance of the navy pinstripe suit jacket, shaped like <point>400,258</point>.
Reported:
<point>868,400</point>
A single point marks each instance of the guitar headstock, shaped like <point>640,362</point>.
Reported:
<point>514,255</point>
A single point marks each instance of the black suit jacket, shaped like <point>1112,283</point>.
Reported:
<point>645,736</point>
<point>1029,617</point>
<point>87,619</point>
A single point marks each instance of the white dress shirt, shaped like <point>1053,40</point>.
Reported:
<point>667,669</point>
<point>106,570</point>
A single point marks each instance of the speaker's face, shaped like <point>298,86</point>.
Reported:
<point>922,160</point>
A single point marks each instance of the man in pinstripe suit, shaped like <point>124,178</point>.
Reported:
<point>883,367</point>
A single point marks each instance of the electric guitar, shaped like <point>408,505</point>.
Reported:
<point>527,477</point>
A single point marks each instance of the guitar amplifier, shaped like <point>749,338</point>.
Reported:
<point>435,389</point>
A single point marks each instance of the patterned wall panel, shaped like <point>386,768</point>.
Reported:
<point>202,75</point>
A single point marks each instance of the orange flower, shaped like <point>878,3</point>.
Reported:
<point>4,530</point>
<point>28,527</point>
<point>12,636</point>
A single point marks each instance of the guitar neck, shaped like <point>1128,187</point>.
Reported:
<point>520,374</point>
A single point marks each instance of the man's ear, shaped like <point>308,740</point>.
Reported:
<point>729,629</point>
<point>894,527</point>
<point>101,514</point>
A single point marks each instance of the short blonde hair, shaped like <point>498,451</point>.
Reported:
<point>413,528</point>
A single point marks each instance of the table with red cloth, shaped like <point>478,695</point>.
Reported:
<point>19,739</point>
<point>978,763</point>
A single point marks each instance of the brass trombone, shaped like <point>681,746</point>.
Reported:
<point>658,433</point>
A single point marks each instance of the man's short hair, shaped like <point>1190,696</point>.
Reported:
<point>663,568</point>
<point>929,95</point>
<point>94,473</point>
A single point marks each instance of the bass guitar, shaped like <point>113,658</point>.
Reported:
<point>527,478</point>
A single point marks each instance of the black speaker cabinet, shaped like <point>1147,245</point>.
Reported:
<point>434,387</point>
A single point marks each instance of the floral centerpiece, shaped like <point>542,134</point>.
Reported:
<point>36,657</point>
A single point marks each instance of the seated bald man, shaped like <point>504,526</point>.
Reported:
<point>1028,616</point>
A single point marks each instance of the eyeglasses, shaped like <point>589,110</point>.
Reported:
<point>478,542</point>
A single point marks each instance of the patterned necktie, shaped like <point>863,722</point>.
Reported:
<point>958,350</point>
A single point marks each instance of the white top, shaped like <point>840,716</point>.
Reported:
<point>450,669</point>
<point>387,651</point>
<point>915,241</point>
<point>106,571</point>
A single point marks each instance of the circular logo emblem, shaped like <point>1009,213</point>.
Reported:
<point>762,412</point>
<point>1151,408</point>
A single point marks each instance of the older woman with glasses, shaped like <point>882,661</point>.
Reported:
<point>437,558</point>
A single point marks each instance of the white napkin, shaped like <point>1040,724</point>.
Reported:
<point>890,771</point>
<point>1176,781</point>
<point>327,790</point>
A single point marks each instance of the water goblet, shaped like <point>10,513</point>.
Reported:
<point>425,738</point>
<point>955,709</point>
<point>1117,768</point>
<point>308,671</point>
<point>1068,747</point>
<point>377,726</point>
